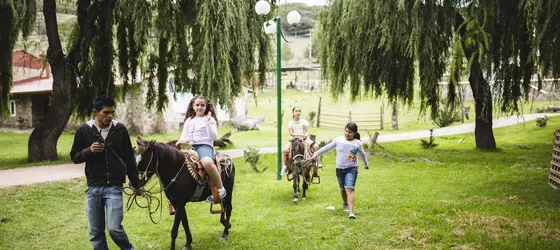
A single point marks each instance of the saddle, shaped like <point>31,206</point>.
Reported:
<point>187,149</point>
<point>193,164</point>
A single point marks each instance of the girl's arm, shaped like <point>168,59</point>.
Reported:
<point>292,132</point>
<point>184,135</point>
<point>305,129</point>
<point>326,148</point>
<point>362,154</point>
<point>291,128</point>
<point>212,128</point>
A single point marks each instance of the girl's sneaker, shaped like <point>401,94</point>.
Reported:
<point>284,170</point>
<point>351,215</point>
<point>345,207</point>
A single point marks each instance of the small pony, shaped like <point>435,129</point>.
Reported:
<point>180,184</point>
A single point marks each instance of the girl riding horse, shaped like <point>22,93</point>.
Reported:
<point>200,131</point>
<point>298,128</point>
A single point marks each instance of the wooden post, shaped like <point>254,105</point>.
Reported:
<point>395,116</point>
<point>319,113</point>
<point>307,71</point>
<point>381,112</point>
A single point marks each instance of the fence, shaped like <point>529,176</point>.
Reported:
<point>334,119</point>
<point>554,177</point>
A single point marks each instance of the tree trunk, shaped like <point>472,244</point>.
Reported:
<point>43,140</point>
<point>484,136</point>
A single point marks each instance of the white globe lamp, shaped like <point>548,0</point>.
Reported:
<point>293,18</point>
<point>262,7</point>
<point>269,27</point>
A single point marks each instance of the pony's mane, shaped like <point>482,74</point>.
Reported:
<point>299,143</point>
<point>165,149</point>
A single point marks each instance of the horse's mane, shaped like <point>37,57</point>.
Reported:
<point>300,145</point>
<point>164,149</point>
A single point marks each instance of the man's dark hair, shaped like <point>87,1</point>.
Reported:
<point>103,101</point>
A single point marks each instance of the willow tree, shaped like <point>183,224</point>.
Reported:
<point>378,47</point>
<point>16,17</point>
<point>209,46</point>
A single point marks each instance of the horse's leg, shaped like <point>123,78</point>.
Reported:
<point>175,228</point>
<point>295,177</point>
<point>224,218</point>
<point>186,228</point>
<point>228,207</point>
<point>305,185</point>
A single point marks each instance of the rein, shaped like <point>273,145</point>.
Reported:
<point>148,194</point>
<point>306,163</point>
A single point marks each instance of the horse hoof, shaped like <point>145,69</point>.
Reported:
<point>303,198</point>
<point>295,200</point>
<point>223,238</point>
<point>187,248</point>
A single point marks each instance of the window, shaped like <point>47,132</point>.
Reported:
<point>12,108</point>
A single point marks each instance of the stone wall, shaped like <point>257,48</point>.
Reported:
<point>132,112</point>
<point>23,118</point>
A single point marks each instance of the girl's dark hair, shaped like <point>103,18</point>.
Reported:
<point>209,108</point>
<point>103,101</point>
<point>293,109</point>
<point>354,128</point>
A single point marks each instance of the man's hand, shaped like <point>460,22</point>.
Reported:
<point>209,115</point>
<point>97,147</point>
<point>140,191</point>
<point>314,157</point>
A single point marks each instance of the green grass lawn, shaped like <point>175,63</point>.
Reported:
<point>14,145</point>
<point>450,197</point>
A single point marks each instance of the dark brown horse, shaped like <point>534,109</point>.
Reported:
<point>170,165</point>
<point>300,167</point>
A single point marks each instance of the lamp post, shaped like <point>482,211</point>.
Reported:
<point>262,8</point>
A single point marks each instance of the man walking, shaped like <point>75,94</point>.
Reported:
<point>104,145</point>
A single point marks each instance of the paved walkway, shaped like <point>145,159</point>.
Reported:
<point>29,175</point>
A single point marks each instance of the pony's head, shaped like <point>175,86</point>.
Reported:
<point>146,162</point>
<point>298,150</point>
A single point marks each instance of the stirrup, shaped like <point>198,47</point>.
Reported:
<point>219,211</point>
<point>318,180</point>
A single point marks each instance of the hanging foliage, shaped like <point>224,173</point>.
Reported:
<point>208,46</point>
<point>15,17</point>
<point>380,47</point>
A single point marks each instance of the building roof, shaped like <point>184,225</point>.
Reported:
<point>36,85</point>
<point>31,74</point>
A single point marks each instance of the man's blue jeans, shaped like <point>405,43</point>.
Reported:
<point>101,201</point>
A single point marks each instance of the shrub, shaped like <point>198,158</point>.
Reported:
<point>252,156</point>
<point>541,121</point>
<point>429,144</point>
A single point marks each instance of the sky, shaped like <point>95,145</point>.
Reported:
<point>308,2</point>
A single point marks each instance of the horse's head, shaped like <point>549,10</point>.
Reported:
<point>298,150</point>
<point>145,159</point>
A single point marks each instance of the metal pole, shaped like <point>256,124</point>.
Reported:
<point>279,93</point>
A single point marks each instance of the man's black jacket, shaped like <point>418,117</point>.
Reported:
<point>110,166</point>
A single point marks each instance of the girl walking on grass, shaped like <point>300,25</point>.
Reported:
<point>348,147</point>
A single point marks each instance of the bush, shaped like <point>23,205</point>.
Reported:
<point>541,122</point>
<point>446,117</point>
<point>429,144</point>
<point>311,115</point>
<point>252,156</point>
<point>324,143</point>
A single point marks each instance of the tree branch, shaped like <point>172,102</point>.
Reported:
<point>54,53</point>
<point>87,14</point>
